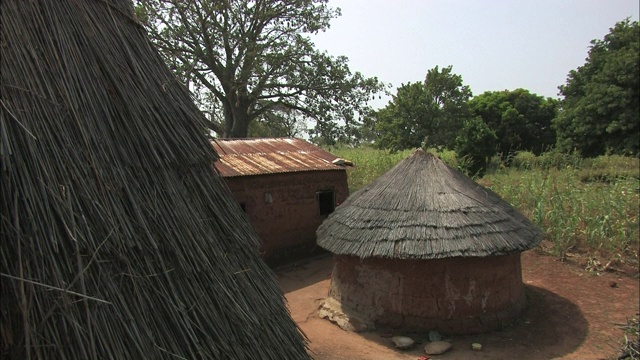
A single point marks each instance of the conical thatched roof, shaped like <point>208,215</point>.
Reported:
<point>117,239</point>
<point>423,209</point>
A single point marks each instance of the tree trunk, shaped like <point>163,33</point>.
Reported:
<point>240,126</point>
<point>237,118</point>
<point>236,114</point>
<point>228,120</point>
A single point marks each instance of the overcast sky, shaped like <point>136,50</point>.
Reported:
<point>493,44</point>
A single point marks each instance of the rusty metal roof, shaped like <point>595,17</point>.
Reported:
<point>239,157</point>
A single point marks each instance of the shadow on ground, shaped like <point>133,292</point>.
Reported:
<point>550,326</point>
<point>305,272</point>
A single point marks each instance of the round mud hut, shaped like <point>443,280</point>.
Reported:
<point>118,241</point>
<point>426,248</point>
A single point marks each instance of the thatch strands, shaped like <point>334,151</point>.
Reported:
<point>118,241</point>
<point>423,209</point>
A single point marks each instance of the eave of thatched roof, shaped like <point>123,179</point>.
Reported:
<point>424,209</point>
<point>117,239</point>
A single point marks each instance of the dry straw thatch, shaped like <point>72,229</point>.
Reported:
<point>423,209</point>
<point>118,241</point>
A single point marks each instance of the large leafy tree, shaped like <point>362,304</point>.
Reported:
<point>430,111</point>
<point>253,60</point>
<point>521,120</point>
<point>600,109</point>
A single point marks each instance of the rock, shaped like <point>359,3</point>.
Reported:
<point>434,336</point>
<point>437,347</point>
<point>403,342</point>
<point>331,310</point>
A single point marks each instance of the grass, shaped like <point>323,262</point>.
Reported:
<point>583,205</point>
<point>575,215</point>
<point>369,163</point>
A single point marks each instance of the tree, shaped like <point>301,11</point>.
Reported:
<point>277,124</point>
<point>434,110</point>
<point>399,125</point>
<point>520,120</point>
<point>254,58</point>
<point>477,143</point>
<point>600,109</point>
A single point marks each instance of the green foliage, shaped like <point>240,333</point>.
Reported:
<point>520,120</point>
<point>434,110</point>
<point>369,163</point>
<point>597,215</point>
<point>252,60</point>
<point>602,168</point>
<point>576,215</point>
<point>558,160</point>
<point>280,124</point>
<point>476,142</point>
<point>601,105</point>
<point>448,156</point>
<point>524,160</point>
<point>609,168</point>
<point>399,124</point>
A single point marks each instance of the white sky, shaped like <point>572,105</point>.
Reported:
<point>493,44</point>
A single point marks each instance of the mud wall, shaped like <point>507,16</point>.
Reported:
<point>455,295</point>
<point>284,208</point>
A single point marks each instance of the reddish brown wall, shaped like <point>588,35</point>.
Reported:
<point>455,295</point>
<point>293,217</point>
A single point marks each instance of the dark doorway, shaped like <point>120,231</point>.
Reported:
<point>326,202</point>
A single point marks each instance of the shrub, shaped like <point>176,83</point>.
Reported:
<point>524,160</point>
<point>476,143</point>
<point>558,160</point>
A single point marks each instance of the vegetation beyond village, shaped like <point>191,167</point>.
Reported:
<point>569,164</point>
<point>586,207</point>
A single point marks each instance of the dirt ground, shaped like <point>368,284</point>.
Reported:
<point>571,314</point>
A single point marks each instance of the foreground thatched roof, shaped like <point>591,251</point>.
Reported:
<point>117,239</point>
<point>423,209</point>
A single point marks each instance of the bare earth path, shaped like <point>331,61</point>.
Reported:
<point>570,314</point>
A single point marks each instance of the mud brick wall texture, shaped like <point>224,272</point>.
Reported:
<point>289,215</point>
<point>452,295</point>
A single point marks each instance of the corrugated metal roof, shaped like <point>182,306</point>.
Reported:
<point>239,157</point>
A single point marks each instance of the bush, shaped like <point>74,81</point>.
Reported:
<point>558,160</point>
<point>476,144</point>
<point>524,160</point>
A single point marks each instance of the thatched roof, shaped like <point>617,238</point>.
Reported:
<point>423,209</point>
<point>118,241</point>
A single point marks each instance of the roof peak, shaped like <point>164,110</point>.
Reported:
<point>423,208</point>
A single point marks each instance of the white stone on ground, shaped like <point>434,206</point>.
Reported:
<point>403,342</point>
<point>437,347</point>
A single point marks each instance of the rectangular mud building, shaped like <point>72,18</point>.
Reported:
<point>286,186</point>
